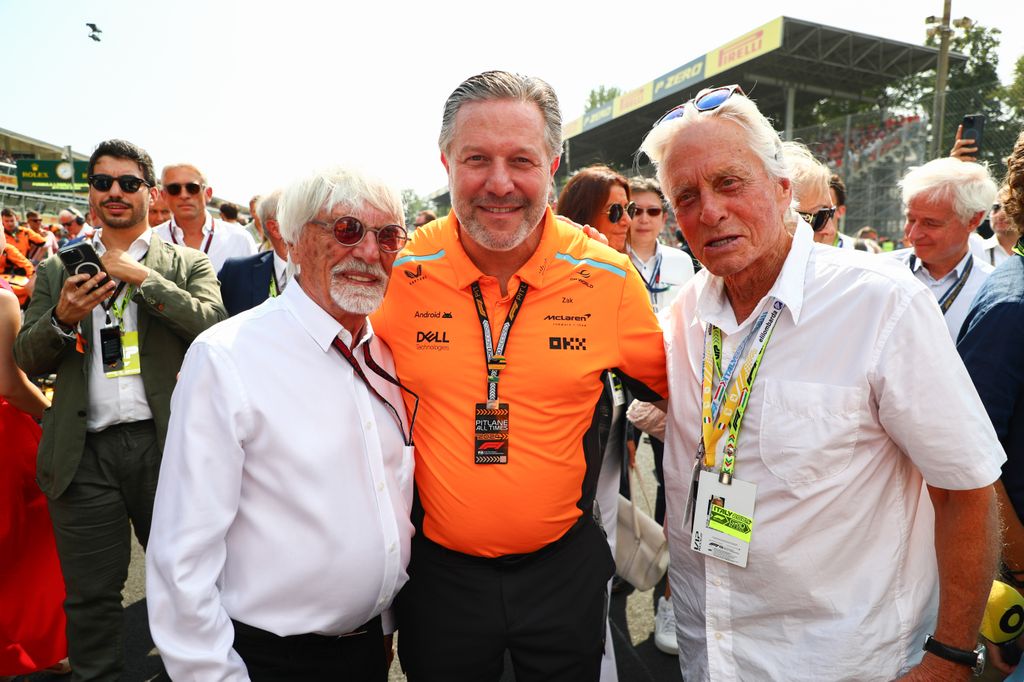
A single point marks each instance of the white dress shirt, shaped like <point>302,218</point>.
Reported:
<point>860,395</point>
<point>993,252</point>
<point>220,241</point>
<point>118,400</point>
<point>665,274</point>
<point>957,312</point>
<point>285,490</point>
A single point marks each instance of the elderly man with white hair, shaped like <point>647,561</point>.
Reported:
<point>281,527</point>
<point>824,524</point>
<point>945,200</point>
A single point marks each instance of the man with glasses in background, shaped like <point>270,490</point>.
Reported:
<point>72,222</point>
<point>116,344</point>
<point>816,398</point>
<point>945,200</point>
<point>23,239</point>
<point>999,247</point>
<point>187,192</point>
<point>302,465</point>
<point>49,246</point>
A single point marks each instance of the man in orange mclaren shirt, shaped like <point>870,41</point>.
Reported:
<point>502,320</point>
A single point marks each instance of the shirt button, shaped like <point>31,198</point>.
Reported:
<point>393,547</point>
<point>380,487</point>
<point>718,635</point>
<point>718,582</point>
<point>369,425</point>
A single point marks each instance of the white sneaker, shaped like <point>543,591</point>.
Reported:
<point>665,628</point>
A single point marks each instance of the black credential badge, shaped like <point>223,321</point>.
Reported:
<point>491,431</point>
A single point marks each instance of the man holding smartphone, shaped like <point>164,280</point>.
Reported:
<point>116,343</point>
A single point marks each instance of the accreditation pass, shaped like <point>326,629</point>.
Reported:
<point>723,518</point>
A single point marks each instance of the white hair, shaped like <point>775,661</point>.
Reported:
<point>266,206</point>
<point>969,186</point>
<point>762,138</point>
<point>304,198</point>
<point>806,172</point>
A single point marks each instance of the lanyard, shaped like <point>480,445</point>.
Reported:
<point>495,355</point>
<point>720,407</point>
<point>275,288</point>
<point>1018,248</point>
<point>654,285</point>
<point>376,369</point>
<point>946,301</point>
<point>112,304</point>
<point>209,238</point>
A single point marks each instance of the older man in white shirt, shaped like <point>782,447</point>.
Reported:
<point>281,533</point>
<point>828,462</point>
<point>187,192</point>
<point>945,200</point>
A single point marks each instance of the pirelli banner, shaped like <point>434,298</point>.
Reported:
<point>760,41</point>
<point>43,175</point>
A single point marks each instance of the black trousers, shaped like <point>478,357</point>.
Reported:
<point>111,493</point>
<point>271,658</point>
<point>458,614</point>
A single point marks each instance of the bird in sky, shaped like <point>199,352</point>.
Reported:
<point>94,37</point>
<point>94,28</point>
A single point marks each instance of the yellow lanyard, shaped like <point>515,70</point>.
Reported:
<point>721,408</point>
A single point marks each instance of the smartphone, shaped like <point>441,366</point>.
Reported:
<point>973,126</point>
<point>81,259</point>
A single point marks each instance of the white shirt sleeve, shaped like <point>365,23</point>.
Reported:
<point>928,404</point>
<point>196,502</point>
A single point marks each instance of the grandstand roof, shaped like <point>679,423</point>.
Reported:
<point>785,65</point>
<point>17,143</point>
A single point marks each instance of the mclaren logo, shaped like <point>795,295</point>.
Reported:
<point>568,318</point>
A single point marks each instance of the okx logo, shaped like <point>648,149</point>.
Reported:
<point>567,343</point>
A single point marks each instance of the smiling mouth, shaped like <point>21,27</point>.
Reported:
<point>721,242</point>
<point>501,209</point>
<point>362,279</point>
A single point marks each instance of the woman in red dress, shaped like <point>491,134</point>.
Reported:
<point>31,585</point>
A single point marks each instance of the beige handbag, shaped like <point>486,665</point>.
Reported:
<point>641,548</point>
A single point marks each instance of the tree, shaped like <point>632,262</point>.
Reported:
<point>1013,95</point>
<point>600,96</point>
<point>414,203</point>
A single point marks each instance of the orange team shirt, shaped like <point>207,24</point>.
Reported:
<point>25,240</point>
<point>17,270</point>
<point>586,310</point>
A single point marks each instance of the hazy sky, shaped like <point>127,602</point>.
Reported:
<point>254,92</point>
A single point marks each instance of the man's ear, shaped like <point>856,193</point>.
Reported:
<point>976,220</point>
<point>444,162</point>
<point>208,194</point>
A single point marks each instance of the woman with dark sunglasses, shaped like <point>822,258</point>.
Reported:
<point>599,197</point>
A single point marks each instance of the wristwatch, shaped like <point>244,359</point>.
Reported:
<point>975,660</point>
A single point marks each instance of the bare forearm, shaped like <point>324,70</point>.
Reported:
<point>967,543</point>
<point>26,396</point>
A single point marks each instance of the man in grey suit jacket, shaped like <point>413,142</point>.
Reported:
<point>116,344</point>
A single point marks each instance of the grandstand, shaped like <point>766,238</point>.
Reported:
<point>786,65</point>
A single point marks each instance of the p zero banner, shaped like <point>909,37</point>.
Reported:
<point>41,175</point>
<point>8,181</point>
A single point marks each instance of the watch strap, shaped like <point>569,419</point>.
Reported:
<point>971,659</point>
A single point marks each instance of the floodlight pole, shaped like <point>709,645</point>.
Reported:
<point>939,111</point>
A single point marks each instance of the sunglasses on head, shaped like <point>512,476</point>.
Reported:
<point>708,99</point>
<point>653,211</point>
<point>818,218</point>
<point>615,211</point>
<point>350,231</point>
<point>129,183</point>
<point>174,188</point>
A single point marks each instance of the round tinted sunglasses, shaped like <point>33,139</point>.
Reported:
<point>653,211</point>
<point>818,218</point>
<point>129,183</point>
<point>174,189</point>
<point>615,211</point>
<point>350,231</point>
<point>706,100</point>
